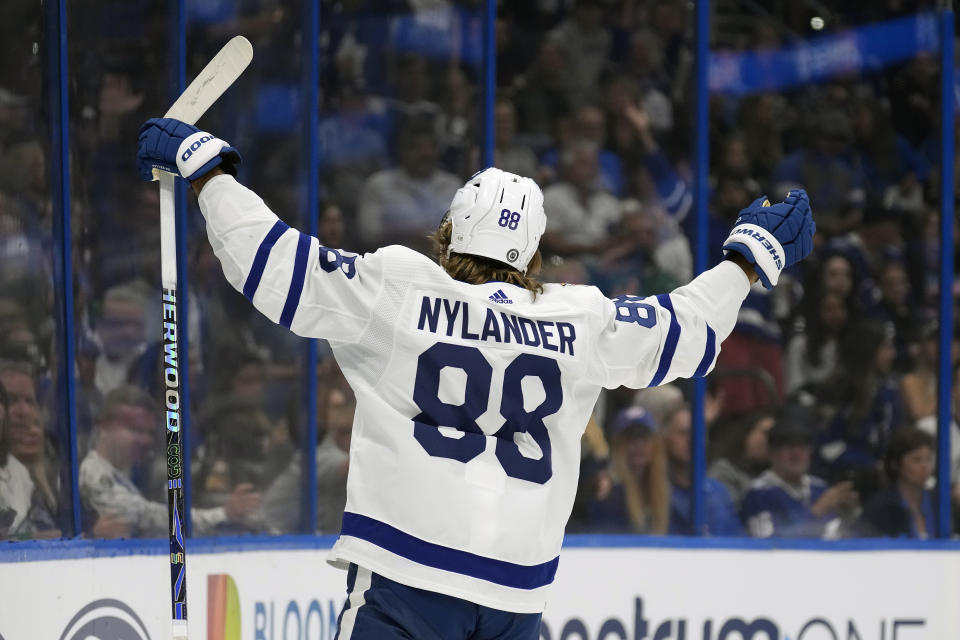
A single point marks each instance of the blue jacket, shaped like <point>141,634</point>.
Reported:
<point>774,508</point>
<point>887,515</point>
<point>720,516</point>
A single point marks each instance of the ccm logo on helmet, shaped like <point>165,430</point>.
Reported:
<point>199,142</point>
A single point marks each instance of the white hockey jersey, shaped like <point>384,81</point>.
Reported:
<point>471,399</point>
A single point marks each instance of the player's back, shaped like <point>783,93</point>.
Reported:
<point>470,398</point>
<point>465,451</point>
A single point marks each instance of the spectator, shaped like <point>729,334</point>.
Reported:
<point>13,314</point>
<point>240,446</point>
<point>26,273</point>
<point>742,452</point>
<point>645,66</point>
<point>786,501</point>
<point>753,360</point>
<point>16,487</point>
<point>873,243</point>
<point>121,330</point>
<point>732,160</point>
<point>836,277</point>
<point>333,457</point>
<point>731,193</point>
<point>906,195</point>
<point>720,518</point>
<point>29,445</point>
<point>400,205</point>
<point>23,176</point>
<point>924,258</point>
<point>120,99</point>
<point>456,124</point>
<point>545,93</point>
<point>885,155</point>
<point>283,497</point>
<point>928,423</point>
<point>642,262</point>
<point>812,352</point>
<point>508,154</point>
<point>580,217</point>
<point>352,143</point>
<point>125,436</point>
<point>824,166</point>
<point>633,137</point>
<point>762,119</point>
<point>332,227</point>
<point>21,344</point>
<point>862,401</point>
<point>638,499</point>
<point>242,375</point>
<point>670,21</point>
<point>896,307</point>
<point>914,99</point>
<point>919,385</point>
<point>595,479</point>
<point>905,508</point>
<point>410,82</point>
<point>15,109</point>
<point>125,237</point>
<point>590,123</point>
<point>586,43</point>
<point>516,47</point>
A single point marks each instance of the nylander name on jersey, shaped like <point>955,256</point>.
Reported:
<point>453,318</point>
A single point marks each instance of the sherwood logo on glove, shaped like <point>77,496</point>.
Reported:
<point>199,142</point>
<point>764,241</point>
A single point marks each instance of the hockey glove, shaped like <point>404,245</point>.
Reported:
<point>181,149</point>
<point>772,238</point>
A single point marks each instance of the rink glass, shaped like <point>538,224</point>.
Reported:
<point>844,347</point>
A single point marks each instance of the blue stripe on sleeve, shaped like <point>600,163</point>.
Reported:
<point>670,346</point>
<point>508,574</point>
<point>708,353</point>
<point>296,282</point>
<point>260,260</point>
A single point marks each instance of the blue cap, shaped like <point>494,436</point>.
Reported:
<point>632,417</point>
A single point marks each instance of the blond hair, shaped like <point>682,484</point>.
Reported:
<point>478,270</point>
<point>647,496</point>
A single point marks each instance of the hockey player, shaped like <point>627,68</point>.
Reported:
<point>473,380</point>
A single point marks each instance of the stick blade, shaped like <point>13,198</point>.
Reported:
<point>215,78</point>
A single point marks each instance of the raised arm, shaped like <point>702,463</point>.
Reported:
<point>649,341</point>
<point>645,342</point>
<point>289,276</point>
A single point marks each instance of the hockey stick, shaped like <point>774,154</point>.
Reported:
<point>216,77</point>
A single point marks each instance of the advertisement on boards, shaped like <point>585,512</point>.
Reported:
<point>705,594</point>
<point>600,594</point>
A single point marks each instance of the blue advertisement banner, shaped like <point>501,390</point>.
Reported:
<point>853,51</point>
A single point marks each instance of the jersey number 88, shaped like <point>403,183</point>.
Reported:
<point>436,413</point>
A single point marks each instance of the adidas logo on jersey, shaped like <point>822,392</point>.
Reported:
<point>500,297</point>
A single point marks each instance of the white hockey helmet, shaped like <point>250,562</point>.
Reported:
<point>497,215</point>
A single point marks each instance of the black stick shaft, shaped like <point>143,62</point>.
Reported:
<point>174,453</point>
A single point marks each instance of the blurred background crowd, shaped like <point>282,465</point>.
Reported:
<point>821,410</point>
